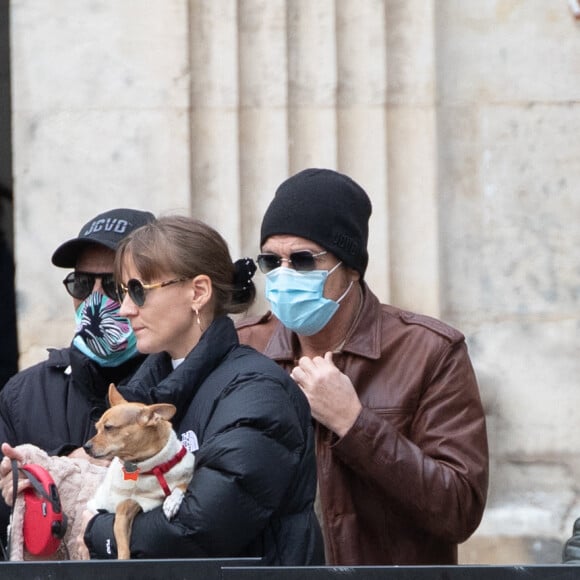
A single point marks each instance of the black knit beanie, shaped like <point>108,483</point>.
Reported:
<point>326,207</point>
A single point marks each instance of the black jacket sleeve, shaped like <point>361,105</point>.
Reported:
<point>7,432</point>
<point>246,463</point>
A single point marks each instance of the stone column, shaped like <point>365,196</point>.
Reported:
<point>412,155</point>
<point>214,116</point>
<point>361,42</point>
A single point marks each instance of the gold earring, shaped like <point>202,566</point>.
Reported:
<point>197,317</point>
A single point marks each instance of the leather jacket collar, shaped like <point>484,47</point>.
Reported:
<point>364,340</point>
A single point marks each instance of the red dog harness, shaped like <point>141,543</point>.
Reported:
<point>158,471</point>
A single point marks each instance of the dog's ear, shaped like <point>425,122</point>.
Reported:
<point>115,398</point>
<point>157,411</point>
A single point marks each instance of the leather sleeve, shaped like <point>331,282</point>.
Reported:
<point>437,473</point>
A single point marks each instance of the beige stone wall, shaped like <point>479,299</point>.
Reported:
<point>508,126</point>
<point>100,119</point>
<point>460,118</point>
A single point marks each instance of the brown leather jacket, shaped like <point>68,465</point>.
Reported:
<point>408,482</point>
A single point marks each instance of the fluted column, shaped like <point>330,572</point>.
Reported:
<point>312,80</point>
<point>215,116</point>
<point>263,141</point>
<point>412,155</point>
<point>362,121</point>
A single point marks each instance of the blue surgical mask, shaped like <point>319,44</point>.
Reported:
<point>297,299</point>
<point>101,334</point>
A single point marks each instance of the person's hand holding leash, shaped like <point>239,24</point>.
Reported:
<point>80,546</point>
<point>6,473</point>
<point>332,397</point>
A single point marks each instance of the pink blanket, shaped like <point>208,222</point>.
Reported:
<point>76,481</point>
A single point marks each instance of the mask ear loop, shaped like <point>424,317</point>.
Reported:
<point>335,267</point>
<point>339,300</point>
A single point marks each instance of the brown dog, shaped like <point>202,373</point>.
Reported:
<point>150,466</point>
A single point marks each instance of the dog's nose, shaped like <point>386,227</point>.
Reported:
<point>88,446</point>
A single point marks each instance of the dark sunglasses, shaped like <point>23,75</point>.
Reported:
<point>137,290</point>
<point>80,284</point>
<point>303,261</point>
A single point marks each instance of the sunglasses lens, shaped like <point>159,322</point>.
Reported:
<point>302,261</point>
<point>268,262</point>
<point>121,293</point>
<point>79,285</point>
<point>110,287</point>
<point>136,291</point>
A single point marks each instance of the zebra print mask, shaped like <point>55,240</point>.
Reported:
<point>101,334</point>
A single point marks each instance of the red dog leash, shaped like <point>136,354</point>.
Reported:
<point>44,522</point>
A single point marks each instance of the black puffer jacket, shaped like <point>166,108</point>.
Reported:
<point>55,404</point>
<point>254,483</point>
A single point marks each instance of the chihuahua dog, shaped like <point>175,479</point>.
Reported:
<point>149,467</point>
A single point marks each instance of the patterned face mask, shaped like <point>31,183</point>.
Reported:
<point>101,334</point>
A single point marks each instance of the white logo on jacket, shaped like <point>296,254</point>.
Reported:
<point>189,440</point>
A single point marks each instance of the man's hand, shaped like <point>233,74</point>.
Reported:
<point>6,486</point>
<point>332,397</point>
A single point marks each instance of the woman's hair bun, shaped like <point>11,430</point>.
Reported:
<point>244,289</point>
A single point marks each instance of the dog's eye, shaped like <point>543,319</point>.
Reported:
<point>109,427</point>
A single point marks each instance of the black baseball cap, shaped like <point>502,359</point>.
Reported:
<point>107,229</point>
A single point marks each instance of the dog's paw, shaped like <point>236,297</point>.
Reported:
<point>172,503</point>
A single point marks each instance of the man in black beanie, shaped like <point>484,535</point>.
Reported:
<point>55,404</point>
<point>401,437</point>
